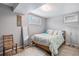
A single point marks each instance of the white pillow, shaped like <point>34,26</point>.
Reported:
<point>55,32</point>
<point>60,32</point>
<point>50,32</point>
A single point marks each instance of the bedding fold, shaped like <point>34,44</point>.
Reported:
<point>55,42</point>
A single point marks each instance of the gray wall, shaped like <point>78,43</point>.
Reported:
<point>36,28</point>
<point>72,29</point>
<point>8,24</point>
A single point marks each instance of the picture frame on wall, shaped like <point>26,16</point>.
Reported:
<point>19,20</point>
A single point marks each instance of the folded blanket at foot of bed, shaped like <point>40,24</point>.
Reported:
<point>55,42</point>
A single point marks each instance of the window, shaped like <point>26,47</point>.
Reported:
<point>35,20</point>
<point>71,18</point>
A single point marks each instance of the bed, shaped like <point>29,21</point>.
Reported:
<point>49,42</point>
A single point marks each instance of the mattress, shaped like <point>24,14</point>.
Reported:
<point>42,39</point>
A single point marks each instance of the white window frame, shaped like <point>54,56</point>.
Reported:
<point>71,18</point>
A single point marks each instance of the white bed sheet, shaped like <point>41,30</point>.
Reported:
<point>42,39</point>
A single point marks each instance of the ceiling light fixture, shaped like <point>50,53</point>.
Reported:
<point>46,7</point>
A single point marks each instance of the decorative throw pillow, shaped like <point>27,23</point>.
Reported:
<point>50,32</point>
<point>60,33</point>
<point>55,32</point>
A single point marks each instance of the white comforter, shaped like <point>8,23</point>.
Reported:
<point>53,41</point>
<point>42,39</point>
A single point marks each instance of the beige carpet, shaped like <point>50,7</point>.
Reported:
<point>68,51</point>
<point>63,51</point>
<point>32,51</point>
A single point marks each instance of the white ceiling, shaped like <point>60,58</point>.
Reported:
<point>35,8</point>
<point>23,8</point>
<point>57,9</point>
<point>9,4</point>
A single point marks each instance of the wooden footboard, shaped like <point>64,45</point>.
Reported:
<point>46,48</point>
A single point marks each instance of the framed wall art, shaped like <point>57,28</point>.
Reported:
<point>19,18</point>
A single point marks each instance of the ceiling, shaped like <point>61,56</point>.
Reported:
<point>23,8</point>
<point>9,4</point>
<point>57,9</point>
